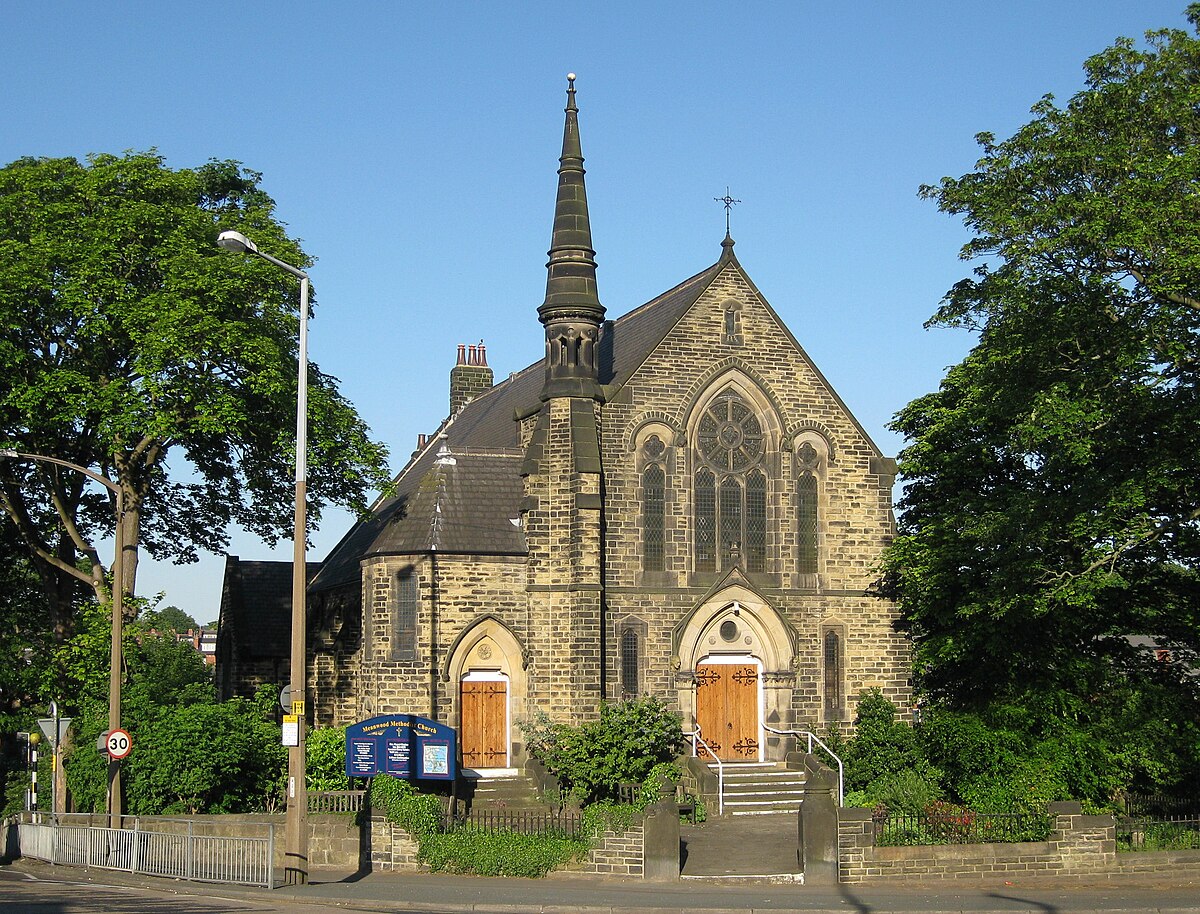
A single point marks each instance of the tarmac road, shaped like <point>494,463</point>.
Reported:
<point>38,888</point>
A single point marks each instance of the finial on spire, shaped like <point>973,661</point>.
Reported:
<point>571,92</point>
<point>729,204</point>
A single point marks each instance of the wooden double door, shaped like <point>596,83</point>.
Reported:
<point>484,731</point>
<point>727,709</point>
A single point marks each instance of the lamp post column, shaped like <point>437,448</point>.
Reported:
<point>296,829</point>
<point>296,862</point>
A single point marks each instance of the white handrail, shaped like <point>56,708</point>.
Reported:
<point>697,738</point>
<point>812,737</point>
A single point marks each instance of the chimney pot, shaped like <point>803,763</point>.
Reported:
<point>462,353</point>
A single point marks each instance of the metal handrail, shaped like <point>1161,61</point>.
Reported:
<point>697,738</point>
<point>813,738</point>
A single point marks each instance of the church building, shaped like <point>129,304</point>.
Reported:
<point>673,502</point>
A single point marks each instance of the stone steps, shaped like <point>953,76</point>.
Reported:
<point>761,788</point>
<point>515,791</point>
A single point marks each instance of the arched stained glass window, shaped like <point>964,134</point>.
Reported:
<point>806,510</point>
<point>730,486</point>
<point>653,508</point>
<point>706,521</point>
<point>756,521</point>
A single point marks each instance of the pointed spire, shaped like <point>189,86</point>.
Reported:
<point>571,312</point>
<point>571,280</point>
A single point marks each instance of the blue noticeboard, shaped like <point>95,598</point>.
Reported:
<point>402,745</point>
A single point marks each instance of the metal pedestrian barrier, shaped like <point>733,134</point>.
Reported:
<point>161,847</point>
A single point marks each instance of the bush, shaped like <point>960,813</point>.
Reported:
<point>882,746</point>
<point>325,759</point>
<point>420,814</point>
<point>630,738</point>
<point>499,854</point>
<point>906,792</point>
<point>207,758</point>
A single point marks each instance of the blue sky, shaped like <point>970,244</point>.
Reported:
<point>413,148</point>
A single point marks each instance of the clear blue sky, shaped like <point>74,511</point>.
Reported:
<point>413,148</point>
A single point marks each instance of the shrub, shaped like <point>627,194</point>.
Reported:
<point>630,738</point>
<point>907,792</point>
<point>325,759</point>
<point>882,746</point>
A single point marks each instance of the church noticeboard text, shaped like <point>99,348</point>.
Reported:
<point>402,745</point>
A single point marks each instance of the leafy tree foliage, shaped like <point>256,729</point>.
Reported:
<point>623,745</point>
<point>132,346</point>
<point>1051,505</point>
<point>172,619</point>
<point>224,757</point>
<point>325,759</point>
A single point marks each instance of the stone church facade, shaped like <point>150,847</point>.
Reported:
<point>674,503</point>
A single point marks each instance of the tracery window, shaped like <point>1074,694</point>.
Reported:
<point>730,487</point>
<point>808,463</point>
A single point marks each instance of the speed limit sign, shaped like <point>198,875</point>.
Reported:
<point>119,744</point>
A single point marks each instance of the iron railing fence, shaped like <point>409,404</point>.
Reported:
<point>1158,833</point>
<point>1141,805</point>
<point>521,822</point>
<point>959,827</point>
<point>155,847</point>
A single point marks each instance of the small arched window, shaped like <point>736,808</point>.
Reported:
<point>404,631</point>
<point>630,663</point>
<point>833,676</point>
<point>808,465</point>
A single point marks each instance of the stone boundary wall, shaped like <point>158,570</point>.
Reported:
<point>393,850</point>
<point>1079,847</point>
<point>618,853</point>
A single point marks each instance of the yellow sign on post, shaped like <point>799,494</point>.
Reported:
<point>298,708</point>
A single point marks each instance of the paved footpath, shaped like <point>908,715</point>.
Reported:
<point>561,894</point>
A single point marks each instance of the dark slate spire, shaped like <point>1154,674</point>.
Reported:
<point>572,312</point>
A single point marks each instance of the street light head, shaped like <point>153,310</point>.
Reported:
<point>236,242</point>
<point>5,452</point>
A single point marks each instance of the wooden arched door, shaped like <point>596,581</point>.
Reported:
<point>484,731</point>
<point>727,709</point>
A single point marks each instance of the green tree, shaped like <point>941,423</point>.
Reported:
<point>1051,503</point>
<point>1051,506</point>
<point>203,757</point>
<point>172,619</point>
<point>131,345</point>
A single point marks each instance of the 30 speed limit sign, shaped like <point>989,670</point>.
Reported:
<point>119,744</point>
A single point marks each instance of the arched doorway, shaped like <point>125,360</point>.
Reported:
<point>728,703</point>
<point>735,654</point>
<point>486,665</point>
<point>484,733</point>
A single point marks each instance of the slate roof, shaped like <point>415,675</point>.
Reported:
<point>462,492</point>
<point>256,604</point>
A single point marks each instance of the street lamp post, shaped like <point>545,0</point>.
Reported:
<point>118,619</point>
<point>296,837</point>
